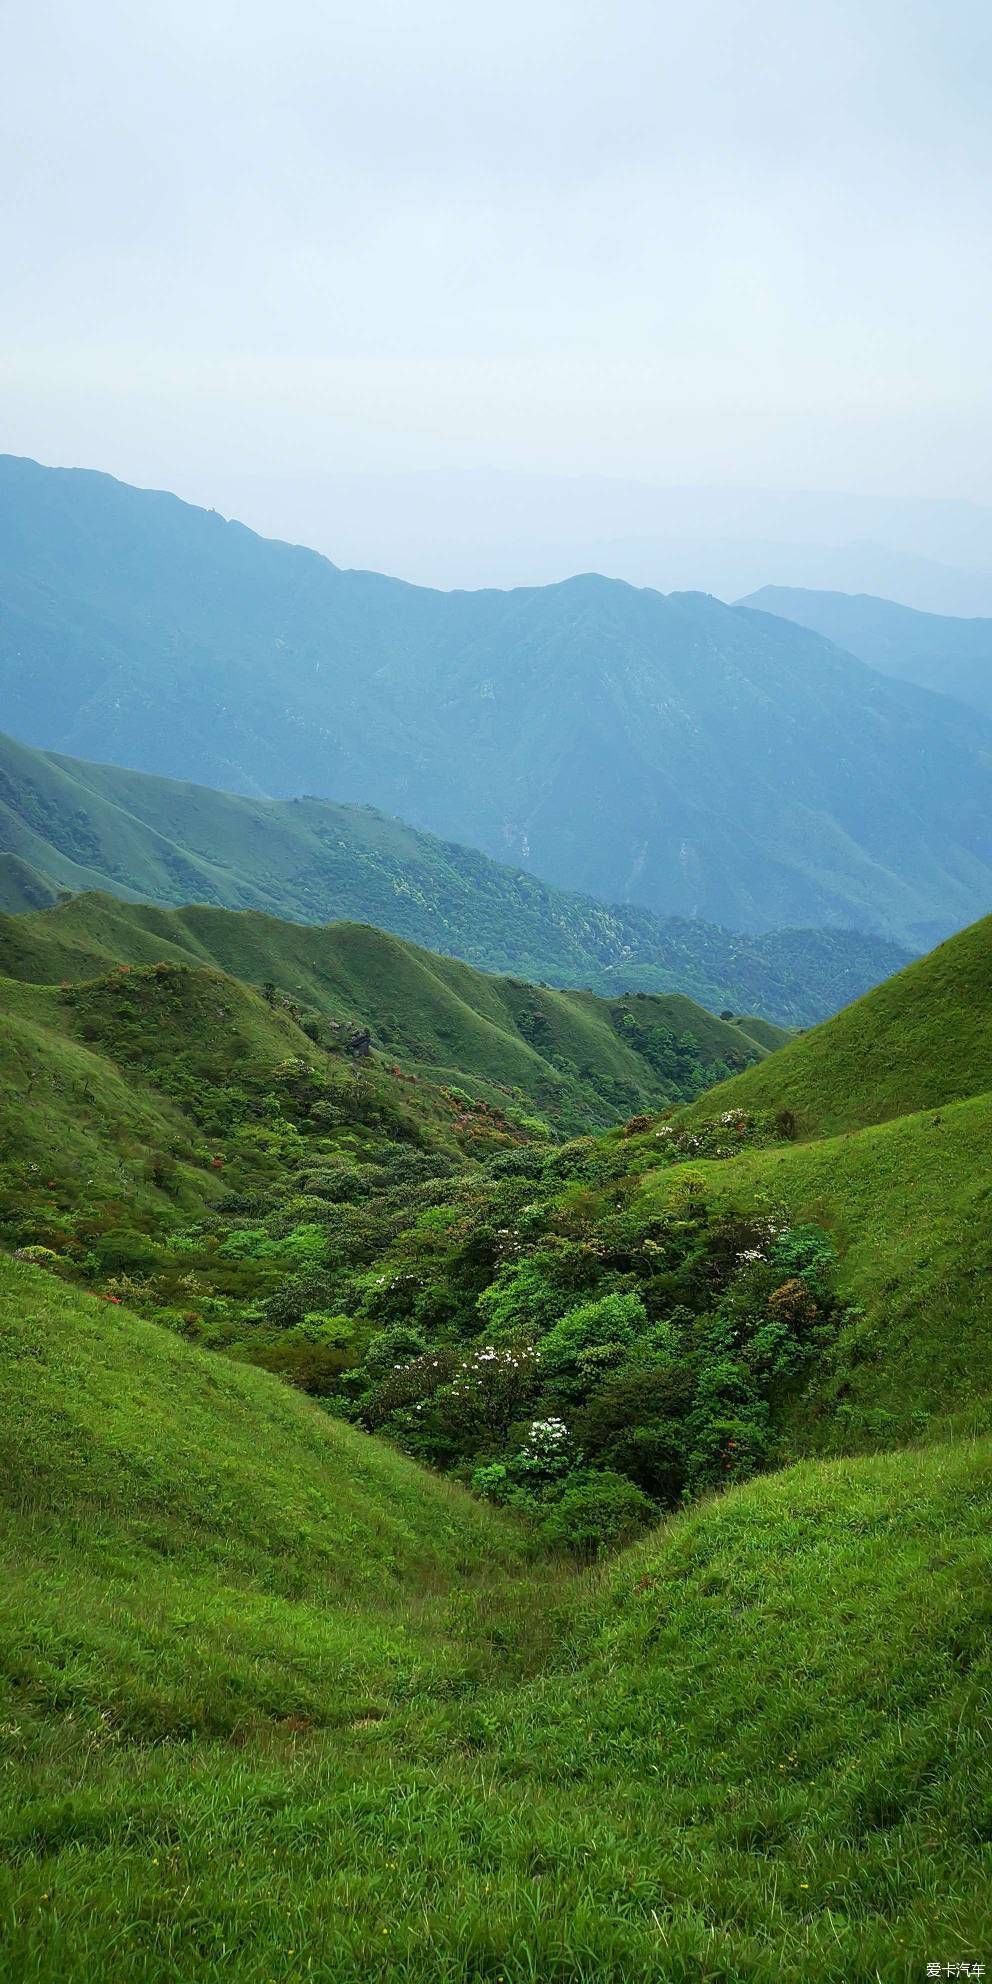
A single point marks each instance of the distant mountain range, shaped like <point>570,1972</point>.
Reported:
<point>70,826</point>
<point>693,758</point>
<point>934,650</point>
<point>482,527</point>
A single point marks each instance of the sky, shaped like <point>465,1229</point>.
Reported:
<point>454,282</point>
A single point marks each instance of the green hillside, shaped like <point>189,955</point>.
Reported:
<point>23,887</point>
<point>72,826</point>
<point>683,1301</point>
<point>276,1704</point>
<point>873,1127</point>
<point>275,1701</point>
<point>922,1039</point>
<point>907,1206</point>
<point>576,1058</point>
<point>699,759</point>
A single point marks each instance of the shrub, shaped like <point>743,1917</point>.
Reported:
<point>809,1253</point>
<point>588,1340</point>
<point>37,1257</point>
<point>595,1513</point>
<point>392,1347</point>
<point>528,1295</point>
<point>410,1387</point>
<point>491,1389</point>
<point>727,1449</point>
<point>547,1454</point>
<point>312,1367</point>
<point>493,1482</point>
<point>654,1457</point>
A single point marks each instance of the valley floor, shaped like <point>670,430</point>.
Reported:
<point>279,1705</point>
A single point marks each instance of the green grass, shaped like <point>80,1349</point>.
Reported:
<point>81,1118</point>
<point>277,1705</point>
<point>922,1039</point>
<point>579,1059</point>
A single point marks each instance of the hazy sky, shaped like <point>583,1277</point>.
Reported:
<point>746,242</point>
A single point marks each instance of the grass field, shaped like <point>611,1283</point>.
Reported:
<point>277,1705</point>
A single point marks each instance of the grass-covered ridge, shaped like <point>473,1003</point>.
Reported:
<point>66,825</point>
<point>574,1057</point>
<point>276,1704</point>
<point>922,1039</point>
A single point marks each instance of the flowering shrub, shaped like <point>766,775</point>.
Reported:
<point>489,1391</point>
<point>547,1453</point>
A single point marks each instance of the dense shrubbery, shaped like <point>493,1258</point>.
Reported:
<point>504,1309</point>
<point>619,1370</point>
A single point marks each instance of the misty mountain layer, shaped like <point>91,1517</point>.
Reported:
<point>65,825</point>
<point>695,758</point>
<point>934,650</point>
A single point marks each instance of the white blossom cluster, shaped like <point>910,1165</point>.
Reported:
<point>546,1433</point>
<point>488,1362</point>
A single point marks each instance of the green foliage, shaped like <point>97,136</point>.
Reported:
<point>589,1341</point>
<point>266,1687</point>
<point>596,1511</point>
<point>549,1061</point>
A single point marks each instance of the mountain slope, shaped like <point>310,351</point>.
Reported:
<point>907,1204</point>
<point>921,1040</point>
<point>580,1059</point>
<point>891,1103</point>
<point>69,825</point>
<point>934,650</point>
<point>696,758</point>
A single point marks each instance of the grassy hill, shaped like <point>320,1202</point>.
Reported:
<point>574,1057</point>
<point>696,758</point>
<point>276,1703</point>
<point>66,825</point>
<point>845,1168</point>
<point>922,1039</point>
<point>935,650</point>
<point>874,1127</point>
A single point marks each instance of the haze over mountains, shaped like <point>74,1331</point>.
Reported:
<point>489,528</point>
<point>934,650</point>
<point>66,825</point>
<point>694,758</point>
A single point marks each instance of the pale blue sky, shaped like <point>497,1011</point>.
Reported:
<point>251,249</point>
